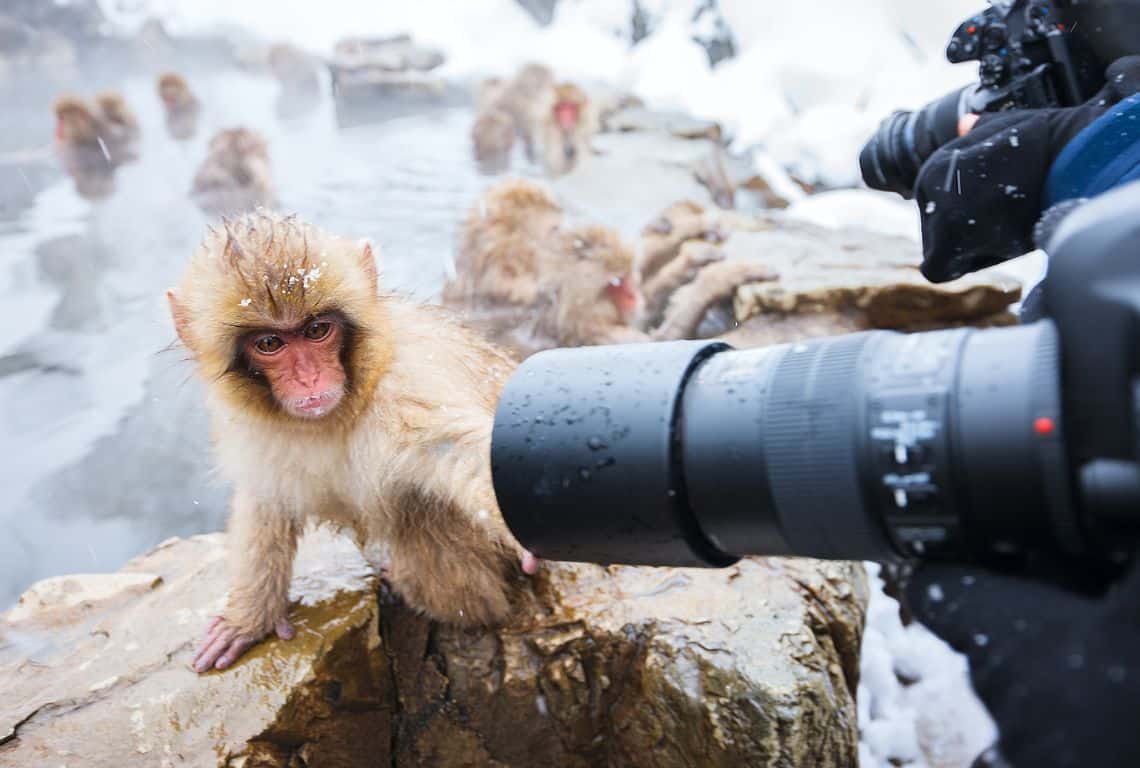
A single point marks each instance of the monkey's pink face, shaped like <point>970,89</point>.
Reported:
<point>624,296</point>
<point>302,365</point>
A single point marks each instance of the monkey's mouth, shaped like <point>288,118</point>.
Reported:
<point>315,406</point>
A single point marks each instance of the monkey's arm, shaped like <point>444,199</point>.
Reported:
<point>681,270</point>
<point>715,282</point>
<point>663,244</point>
<point>262,542</point>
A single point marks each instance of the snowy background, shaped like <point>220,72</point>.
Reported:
<point>809,82</point>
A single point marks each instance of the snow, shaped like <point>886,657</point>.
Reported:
<point>933,720</point>
<point>860,209</point>
<point>810,82</point>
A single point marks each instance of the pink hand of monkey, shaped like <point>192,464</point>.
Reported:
<point>224,643</point>
<point>529,563</point>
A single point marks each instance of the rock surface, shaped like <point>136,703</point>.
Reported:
<point>751,665</point>
<point>841,280</point>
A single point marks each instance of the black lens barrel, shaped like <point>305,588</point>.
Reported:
<point>941,445</point>
<point>584,457</point>
<point>891,158</point>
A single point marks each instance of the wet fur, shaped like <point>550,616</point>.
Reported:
<point>531,281</point>
<point>235,175</point>
<point>499,102</point>
<point>402,461</point>
<point>182,110</point>
<point>561,149</point>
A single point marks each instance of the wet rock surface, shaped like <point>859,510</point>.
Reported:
<point>841,280</point>
<point>751,665</point>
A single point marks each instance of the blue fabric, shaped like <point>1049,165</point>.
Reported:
<point>1104,155</point>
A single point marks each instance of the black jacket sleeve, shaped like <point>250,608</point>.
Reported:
<point>979,196</point>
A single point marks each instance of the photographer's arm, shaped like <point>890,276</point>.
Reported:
<point>981,195</point>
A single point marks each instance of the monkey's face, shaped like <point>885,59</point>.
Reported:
<point>620,291</point>
<point>604,265</point>
<point>74,125</point>
<point>170,93</point>
<point>301,365</point>
<point>567,114</point>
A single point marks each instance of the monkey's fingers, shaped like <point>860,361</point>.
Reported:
<point>217,639</point>
<point>701,257</point>
<point>238,645</point>
<point>284,629</point>
<point>529,563</point>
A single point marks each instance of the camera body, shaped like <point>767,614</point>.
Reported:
<point>1031,54</point>
<point>1015,448</point>
<point>1027,57</point>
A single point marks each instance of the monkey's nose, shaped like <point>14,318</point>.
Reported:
<point>570,151</point>
<point>307,379</point>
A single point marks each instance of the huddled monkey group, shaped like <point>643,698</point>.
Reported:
<point>93,139</point>
<point>553,120</point>
<point>334,401</point>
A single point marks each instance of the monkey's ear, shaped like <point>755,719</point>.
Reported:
<point>179,315</point>
<point>368,264</point>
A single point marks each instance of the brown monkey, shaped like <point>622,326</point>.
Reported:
<point>694,256</point>
<point>562,126</point>
<point>520,98</point>
<point>662,238</point>
<point>531,282</point>
<point>235,175</point>
<point>492,139</point>
<point>488,91</point>
<point>85,155</point>
<point>180,104</point>
<point>500,103</point>
<point>118,125</point>
<point>586,293</point>
<point>517,99</point>
<point>501,243</point>
<point>334,402</point>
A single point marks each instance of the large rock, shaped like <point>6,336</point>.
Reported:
<point>751,665</point>
<point>839,280</point>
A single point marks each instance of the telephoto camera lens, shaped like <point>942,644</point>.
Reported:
<point>891,159</point>
<point>943,445</point>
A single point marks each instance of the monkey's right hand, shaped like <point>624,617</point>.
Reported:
<point>225,643</point>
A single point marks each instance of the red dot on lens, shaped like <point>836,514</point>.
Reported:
<point>1043,425</point>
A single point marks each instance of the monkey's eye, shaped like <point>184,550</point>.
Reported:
<point>268,345</point>
<point>317,330</point>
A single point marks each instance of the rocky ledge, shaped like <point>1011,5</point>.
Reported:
<point>750,665</point>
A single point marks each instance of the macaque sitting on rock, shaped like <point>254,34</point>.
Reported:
<point>235,175</point>
<point>86,148</point>
<point>180,105</point>
<point>501,104</point>
<point>333,402</point>
<point>118,125</point>
<point>562,125</point>
<point>531,281</point>
<point>492,139</point>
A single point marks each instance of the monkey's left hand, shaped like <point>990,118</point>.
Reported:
<point>225,643</point>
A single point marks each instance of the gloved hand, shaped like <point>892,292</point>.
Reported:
<point>1059,671</point>
<point>980,195</point>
